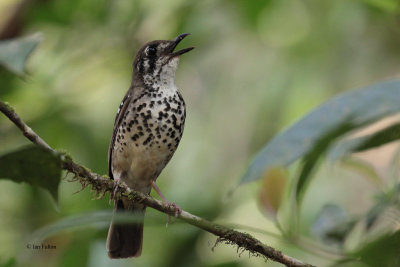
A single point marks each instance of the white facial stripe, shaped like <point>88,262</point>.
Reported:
<point>162,46</point>
<point>146,64</point>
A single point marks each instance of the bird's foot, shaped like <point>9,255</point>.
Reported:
<point>177,209</point>
<point>114,192</point>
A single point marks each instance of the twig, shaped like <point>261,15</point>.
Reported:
<point>25,129</point>
<point>102,184</point>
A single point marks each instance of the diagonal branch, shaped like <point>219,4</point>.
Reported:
<point>102,184</point>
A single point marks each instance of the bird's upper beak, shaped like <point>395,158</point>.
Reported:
<point>175,42</point>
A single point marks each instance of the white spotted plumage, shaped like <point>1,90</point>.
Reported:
<point>147,130</point>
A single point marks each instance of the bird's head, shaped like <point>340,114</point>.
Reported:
<point>157,61</point>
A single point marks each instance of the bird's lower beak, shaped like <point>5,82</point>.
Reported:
<point>176,41</point>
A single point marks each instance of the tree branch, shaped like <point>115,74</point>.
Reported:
<point>102,184</point>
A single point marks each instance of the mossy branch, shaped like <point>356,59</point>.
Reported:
<point>103,184</point>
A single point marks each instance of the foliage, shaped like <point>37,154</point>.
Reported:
<point>366,142</point>
<point>258,66</point>
<point>381,252</point>
<point>33,165</point>
<point>14,53</point>
<point>310,138</point>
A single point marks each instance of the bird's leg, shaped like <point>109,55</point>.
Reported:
<point>177,209</point>
<point>117,183</point>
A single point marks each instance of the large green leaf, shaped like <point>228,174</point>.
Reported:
<point>311,136</point>
<point>15,52</point>
<point>358,144</point>
<point>33,165</point>
<point>383,252</point>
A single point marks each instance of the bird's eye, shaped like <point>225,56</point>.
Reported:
<point>151,51</point>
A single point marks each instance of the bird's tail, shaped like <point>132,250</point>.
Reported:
<point>125,239</point>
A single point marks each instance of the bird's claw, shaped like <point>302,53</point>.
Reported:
<point>177,211</point>
<point>115,189</point>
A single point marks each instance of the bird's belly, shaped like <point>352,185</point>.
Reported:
<point>149,137</point>
<point>147,162</point>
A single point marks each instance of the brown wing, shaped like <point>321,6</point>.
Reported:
<point>118,118</point>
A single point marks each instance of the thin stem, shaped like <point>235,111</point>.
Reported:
<point>25,129</point>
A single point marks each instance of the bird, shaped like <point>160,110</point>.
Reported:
<point>147,130</point>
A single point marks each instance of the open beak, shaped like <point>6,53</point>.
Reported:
<point>176,41</point>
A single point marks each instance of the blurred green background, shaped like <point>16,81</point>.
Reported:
<point>258,66</point>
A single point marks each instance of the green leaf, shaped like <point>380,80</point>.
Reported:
<point>386,5</point>
<point>272,192</point>
<point>365,169</point>
<point>33,165</point>
<point>15,52</point>
<point>98,219</point>
<point>386,206</point>
<point>311,136</point>
<point>10,263</point>
<point>359,144</point>
<point>72,222</point>
<point>349,263</point>
<point>311,158</point>
<point>251,9</point>
<point>383,252</point>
